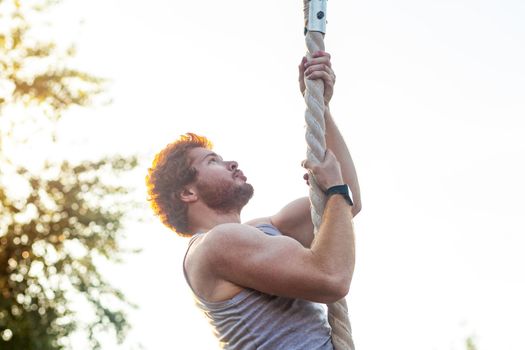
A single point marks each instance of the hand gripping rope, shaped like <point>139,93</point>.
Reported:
<point>315,28</point>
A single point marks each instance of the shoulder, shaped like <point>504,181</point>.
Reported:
<point>228,235</point>
<point>235,245</point>
<point>227,246</point>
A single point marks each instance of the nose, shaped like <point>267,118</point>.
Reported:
<point>232,165</point>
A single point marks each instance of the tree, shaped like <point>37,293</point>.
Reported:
<point>470,344</point>
<point>56,217</point>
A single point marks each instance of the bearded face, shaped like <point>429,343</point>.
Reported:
<point>225,196</point>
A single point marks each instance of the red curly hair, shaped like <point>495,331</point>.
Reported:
<point>169,173</point>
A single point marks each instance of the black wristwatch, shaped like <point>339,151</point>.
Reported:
<point>343,190</point>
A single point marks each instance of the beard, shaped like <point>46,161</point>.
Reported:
<point>225,197</point>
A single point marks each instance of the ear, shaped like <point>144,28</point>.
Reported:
<point>188,195</point>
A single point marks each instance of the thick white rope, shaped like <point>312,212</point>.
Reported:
<point>316,147</point>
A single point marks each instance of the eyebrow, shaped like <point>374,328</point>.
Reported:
<point>212,154</point>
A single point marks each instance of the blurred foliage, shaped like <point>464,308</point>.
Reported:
<point>470,344</point>
<point>55,222</point>
<point>34,71</point>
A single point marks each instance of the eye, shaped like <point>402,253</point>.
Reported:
<point>212,159</point>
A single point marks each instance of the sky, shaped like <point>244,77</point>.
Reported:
<point>430,97</point>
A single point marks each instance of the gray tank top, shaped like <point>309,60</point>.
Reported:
<point>254,320</point>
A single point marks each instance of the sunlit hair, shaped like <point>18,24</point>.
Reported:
<point>166,178</point>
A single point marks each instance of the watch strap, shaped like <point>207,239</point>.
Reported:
<point>343,190</point>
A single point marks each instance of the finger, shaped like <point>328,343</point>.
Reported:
<point>305,163</point>
<point>311,167</point>
<point>302,65</point>
<point>319,60</point>
<point>319,67</point>
<point>321,54</point>
<point>320,75</point>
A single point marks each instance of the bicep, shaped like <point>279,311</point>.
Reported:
<point>277,265</point>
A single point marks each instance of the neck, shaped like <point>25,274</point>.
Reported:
<point>204,219</point>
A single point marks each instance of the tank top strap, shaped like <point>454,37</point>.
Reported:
<point>268,229</point>
<point>190,243</point>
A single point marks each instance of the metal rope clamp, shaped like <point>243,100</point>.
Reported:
<point>316,16</point>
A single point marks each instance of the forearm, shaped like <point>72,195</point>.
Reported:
<point>334,244</point>
<point>336,142</point>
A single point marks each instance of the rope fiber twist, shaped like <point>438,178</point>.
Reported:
<point>316,148</point>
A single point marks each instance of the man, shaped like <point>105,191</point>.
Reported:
<point>259,283</point>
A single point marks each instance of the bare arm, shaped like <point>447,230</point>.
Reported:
<point>280,265</point>
<point>245,256</point>
<point>320,67</point>
<point>294,219</point>
<point>336,143</point>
